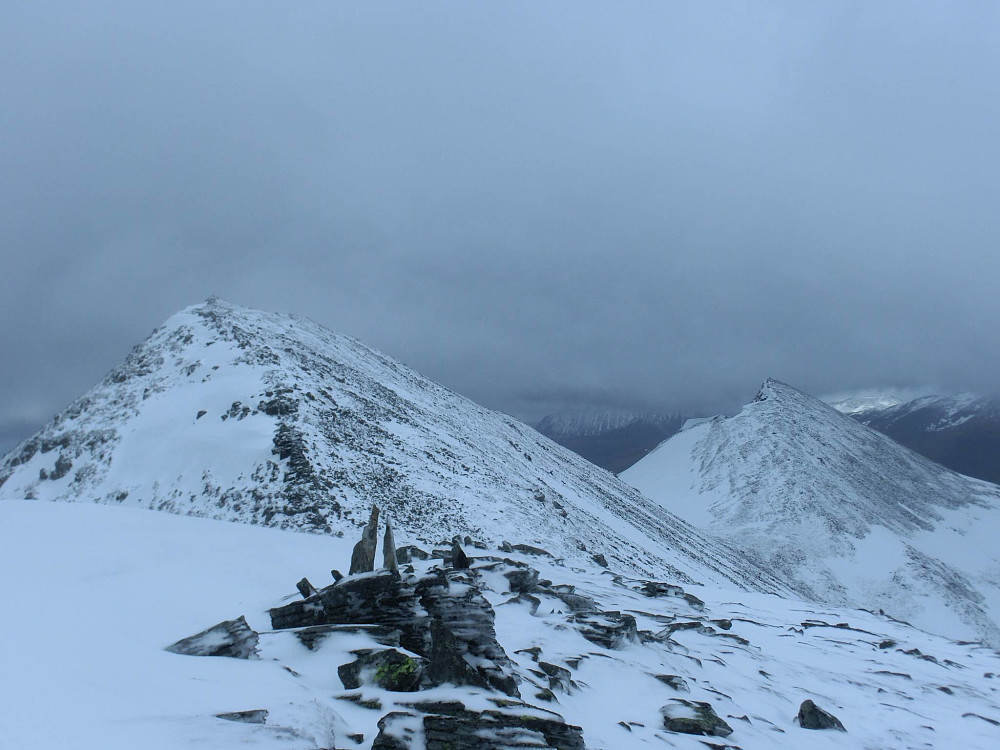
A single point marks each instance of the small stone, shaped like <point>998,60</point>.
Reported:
<point>337,575</point>
<point>458,557</point>
<point>256,716</point>
<point>812,716</point>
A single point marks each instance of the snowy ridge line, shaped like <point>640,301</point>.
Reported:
<point>241,415</point>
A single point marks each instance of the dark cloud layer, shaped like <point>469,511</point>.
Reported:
<point>635,204</point>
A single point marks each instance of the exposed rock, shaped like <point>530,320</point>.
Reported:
<point>399,730</point>
<point>63,465</point>
<point>314,636</point>
<point>812,716</point>
<point>447,664</point>
<point>693,717</point>
<point>389,669</point>
<point>305,588</point>
<point>458,557</point>
<point>676,682</point>
<point>971,715</point>
<point>527,549</point>
<point>600,559</point>
<point>363,557</point>
<point>256,716</point>
<point>448,725</point>
<point>409,553</point>
<point>608,629</point>
<point>389,549</point>
<point>560,678</point>
<point>376,599</point>
<point>467,615</point>
<point>407,606</point>
<point>534,652</point>
<point>522,579</point>
<point>373,704</point>
<point>337,575</point>
<point>234,638</point>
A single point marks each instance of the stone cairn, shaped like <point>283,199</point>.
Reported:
<point>363,557</point>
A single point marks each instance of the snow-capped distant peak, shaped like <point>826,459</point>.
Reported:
<point>861,404</point>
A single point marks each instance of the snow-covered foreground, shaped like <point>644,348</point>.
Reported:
<point>94,593</point>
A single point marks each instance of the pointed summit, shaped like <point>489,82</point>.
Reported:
<point>842,512</point>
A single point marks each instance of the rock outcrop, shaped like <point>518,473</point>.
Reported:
<point>389,669</point>
<point>363,557</point>
<point>441,615</point>
<point>449,725</point>
<point>389,548</point>
<point>812,716</point>
<point>693,717</point>
<point>234,638</point>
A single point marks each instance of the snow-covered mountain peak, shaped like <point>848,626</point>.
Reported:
<point>237,414</point>
<point>845,512</point>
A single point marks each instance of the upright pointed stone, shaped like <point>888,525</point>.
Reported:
<point>389,548</point>
<point>363,557</point>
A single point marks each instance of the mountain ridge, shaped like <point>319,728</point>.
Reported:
<point>236,414</point>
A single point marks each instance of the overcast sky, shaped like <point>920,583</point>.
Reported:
<point>536,204</point>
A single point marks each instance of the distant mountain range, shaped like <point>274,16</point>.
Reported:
<point>961,432</point>
<point>613,440</point>
<point>843,512</point>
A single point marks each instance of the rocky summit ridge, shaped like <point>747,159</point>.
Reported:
<point>236,414</point>
<point>843,513</point>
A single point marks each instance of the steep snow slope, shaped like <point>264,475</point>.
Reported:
<point>961,432</point>
<point>844,512</point>
<point>614,440</point>
<point>86,669</point>
<point>241,415</point>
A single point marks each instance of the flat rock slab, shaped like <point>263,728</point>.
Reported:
<point>233,638</point>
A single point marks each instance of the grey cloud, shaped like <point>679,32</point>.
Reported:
<point>639,204</point>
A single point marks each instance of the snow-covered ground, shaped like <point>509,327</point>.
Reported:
<point>94,593</point>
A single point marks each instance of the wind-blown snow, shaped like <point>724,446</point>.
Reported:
<point>93,594</point>
<point>841,511</point>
